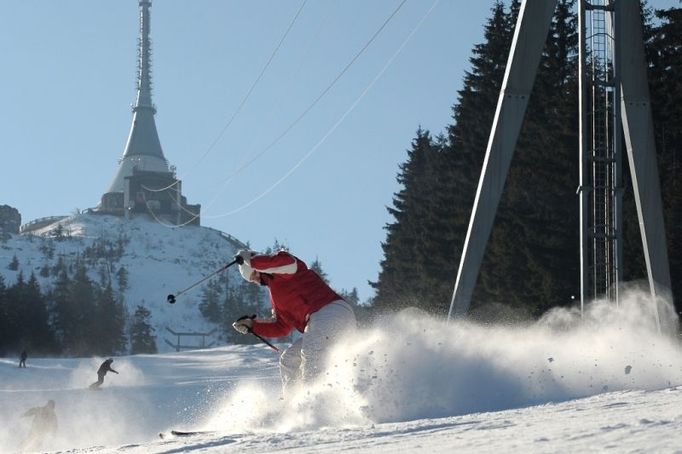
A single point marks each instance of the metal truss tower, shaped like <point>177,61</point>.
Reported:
<point>616,94</point>
<point>601,221</point>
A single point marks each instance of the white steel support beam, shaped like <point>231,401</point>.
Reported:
<point>641,150</point>
<point>530,35</point>
<point>584,187</point>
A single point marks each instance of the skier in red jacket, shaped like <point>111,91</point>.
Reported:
<point>300,300</point>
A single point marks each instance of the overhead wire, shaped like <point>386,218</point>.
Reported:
<point>338,122</point>
<point>245,98</point>
<point>317,99</point>
<point>253,85</point>
<point>308,109</point>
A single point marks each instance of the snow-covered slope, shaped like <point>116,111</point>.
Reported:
<point>607,381</point>
<point>159,260</point>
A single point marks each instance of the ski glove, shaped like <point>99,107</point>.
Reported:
<point>243,324</point>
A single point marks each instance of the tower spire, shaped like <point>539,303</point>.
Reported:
<point>144,184</point>
<point>144,61</point>
<point>143,149</point>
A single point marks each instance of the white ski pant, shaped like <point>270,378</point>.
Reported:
<point>305,358</point>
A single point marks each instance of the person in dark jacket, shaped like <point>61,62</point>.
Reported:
<point>22,359</point>
<point>102,371</point>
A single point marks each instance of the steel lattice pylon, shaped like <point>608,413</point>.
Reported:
<point>600,153</point>
<point>618,95</point>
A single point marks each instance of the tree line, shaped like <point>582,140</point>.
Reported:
<point>532,260</point>
<point>77,317</point>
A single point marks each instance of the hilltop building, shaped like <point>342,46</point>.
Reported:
<point>144,182</point>
<point>10,220</point>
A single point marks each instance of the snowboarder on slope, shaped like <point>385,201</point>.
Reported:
<point>102,371</point>
<point>300,299</point>
<point>44,425</point>
<point>22,359</point>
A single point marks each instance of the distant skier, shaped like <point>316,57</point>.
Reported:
<point>44,425</point>
<point>101,372</point>
<point>302,300</point>
<point>22,359</point>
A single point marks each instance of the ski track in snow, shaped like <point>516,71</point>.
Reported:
<point>409,384</point>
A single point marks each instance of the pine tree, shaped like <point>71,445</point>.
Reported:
<point>467,141</point>
<point>399,282</point>
<point>363,312</point>
<point>24,318</point>
<point>210,301</point>
<point>142,337</point>
<point>532,259</point>
<point>317,267</point>
<point>110,322</point>
<point>80,333</point>
<point>58,267</point>
<point>122,277</point>
<point>4,318</point>
<point>439,181</point>
<point>14,264</point>
<point>665,83</point>
<point>37,334</point>
<point>45,270</point>
<point>63,315</point>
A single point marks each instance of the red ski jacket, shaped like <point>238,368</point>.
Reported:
<point>295,293</point>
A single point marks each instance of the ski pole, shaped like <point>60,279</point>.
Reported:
<point>171,297</point>
<point>265,341</point>
<point>250,331</point>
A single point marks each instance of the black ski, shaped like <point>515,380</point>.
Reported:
<point>217,437</point>
<point>190,433</point>
<point>185,433</point>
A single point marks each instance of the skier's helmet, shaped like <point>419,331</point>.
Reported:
<point>245,268</point>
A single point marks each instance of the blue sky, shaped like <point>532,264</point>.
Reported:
<point>68,81</point>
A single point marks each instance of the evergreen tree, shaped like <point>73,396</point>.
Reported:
<point>14,312</point>
<point>58,267</point>
<point>531,261</point>
<point>37,335</point>
<point>468,138</point>
<point>4,317</point>
<point>665,83</point>
<point>122,277</point>
<point>63,311</point>
<point>14,264</point>
<point>45,270</point>
<point>210,301</point>
<point>363,312</point>
<point>80,333</point>
<point>439,180</point>
<point>399,282</point>
<point>59,233</point>
<point>109,318</point>
<point>24,317</point>
<point>532,258</point>
<point>317,267</point>
<point>142,337</point>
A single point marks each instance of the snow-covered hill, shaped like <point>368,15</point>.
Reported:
<point>608,382</point>
<point>159,260</point>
